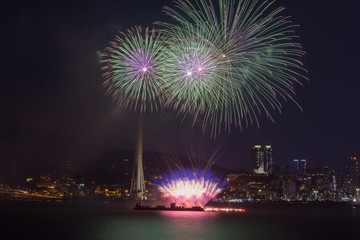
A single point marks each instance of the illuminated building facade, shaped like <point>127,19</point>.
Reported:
<point>262,159</point>
<point>354,171</point>
<point>299,167</point>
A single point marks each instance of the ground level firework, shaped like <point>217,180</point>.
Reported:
<point>190,187</point>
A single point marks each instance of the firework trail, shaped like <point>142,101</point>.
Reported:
<point>132,69</point>
<point>250,56</point>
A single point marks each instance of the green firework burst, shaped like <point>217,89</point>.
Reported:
<point>261,60</point>
<point>132,69</point>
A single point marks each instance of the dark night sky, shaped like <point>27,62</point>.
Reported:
<point>53,107</point>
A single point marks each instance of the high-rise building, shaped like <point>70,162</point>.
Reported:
<point>268,159</point>
<point>262,159</point>
<point>295,167</point>
<point>354,171</point>
<point>299,167</point>
<point>257,163</point>
<point>302,167</point>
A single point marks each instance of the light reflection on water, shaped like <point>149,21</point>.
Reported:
<point>86,223</point>
<point>156,225</point>
<point>166,225</point>
<point>190,225</point>
<point>177,225</point>
<point>270,225</point>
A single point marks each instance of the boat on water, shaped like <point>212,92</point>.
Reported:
<point>172,207</point>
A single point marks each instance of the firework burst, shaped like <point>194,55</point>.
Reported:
<point>195,72</point>
<point>132,69</point>
<point>261,60</point>
<point>191,182</point>
<point>190,187</point>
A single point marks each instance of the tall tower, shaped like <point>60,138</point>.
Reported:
<point>262,159</point>
<point>295,167</point>
<point>137,188</point>
<point>268,159</point>
<point>299,167</point>
<point>302,167</point>
<point>257,160</point>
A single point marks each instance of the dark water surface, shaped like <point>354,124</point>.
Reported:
<point>90,223</point>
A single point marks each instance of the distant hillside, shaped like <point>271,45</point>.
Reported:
<point>116,165</point>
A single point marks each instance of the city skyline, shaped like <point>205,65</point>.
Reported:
<point>261,160</point>
<point>111,179</point>
<point>55,109</point>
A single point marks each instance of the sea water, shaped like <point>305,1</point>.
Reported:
<point>114,223</point>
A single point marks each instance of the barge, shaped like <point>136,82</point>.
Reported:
<point>173,207</point>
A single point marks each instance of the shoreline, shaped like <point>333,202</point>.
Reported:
<point>130,204</point>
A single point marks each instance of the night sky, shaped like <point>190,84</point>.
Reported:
<point>53,106</point>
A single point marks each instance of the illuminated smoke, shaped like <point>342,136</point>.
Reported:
<point>190,188</point>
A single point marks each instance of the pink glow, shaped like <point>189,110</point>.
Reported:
<point>189,193</point>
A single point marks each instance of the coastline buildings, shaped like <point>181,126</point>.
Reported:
<point>291,182</point>
<point>354,171</point>
<point>262,159</point>
<point>110,179</point>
